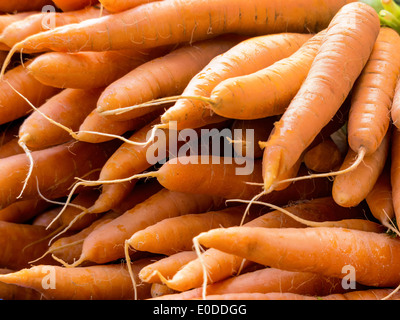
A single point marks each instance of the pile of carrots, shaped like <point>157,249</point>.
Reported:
<point>86,84</point>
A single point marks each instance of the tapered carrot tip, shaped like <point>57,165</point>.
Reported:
<point>20,278</point>
<point>271,166</point>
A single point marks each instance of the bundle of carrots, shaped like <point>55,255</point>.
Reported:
<point>90,89</point>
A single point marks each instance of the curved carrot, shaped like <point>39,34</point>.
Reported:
<point>163,23</point>
<point>246,57</point>
<point>13,106</point>
<point>394,171</point>
<point>373,92</point>
<point>160,77</point>
<point>350,188</point>
<point>221,265</point>
<point>70,107</point>
<point>24,210</point>
<point>325,84</point>
<point>64,70</point>
<point>267,91</point>
<point>69,5</point>
<point>101,282</point>
<point>122,5</point>
<point>14,292</point>
<point>34,24</point>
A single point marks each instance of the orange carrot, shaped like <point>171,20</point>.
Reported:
<point>45,218</point>
<point>101,282</point>
<point>395,172</point>
<point>202,21</point>
<point>13,106</point>
<point>106,243</point>
<point>70,107</point>
<point>96,128</point>
<point>303,118</point>
<point>326,156</point>
<point>267,91</point>
<point>10,148</point>
<point>69,5</point>
<point>64,70</point>
<point>380,200</point>
<point>167,266</point>
<point>14,292</point>
<point>36,23</point>
<point>122,5</point>
<point>395,110</point>
<point>266,280</point>
<point>160,77</point>
<point>370,254</point>
<point>368,294</point>
<point>221,265</point>
<point>67,161</point>
<point>175,234</point>
<point>17,245</point>
<point>350,188</point>
<point>246,57</point>
<point>23,5</point>
<point>159,289</point>
<point>23,211</point>
<point>373,92</point>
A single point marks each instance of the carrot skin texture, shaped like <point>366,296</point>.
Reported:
<point>324,157</point>
<point>372,94</point>
<point>303,118</point>
<point>23,211</point>
<point>101,282</point>
<point>161,77</point>
<point>266,92</point>
<point>23,5</point>
<point>371,254</point>
<point>201,21</point>
<point>395,109</point>
<point>69,5</point>
<point>122,5</point>
<point>350,188</point>
<point>395,171</point>
<point>101,68</point>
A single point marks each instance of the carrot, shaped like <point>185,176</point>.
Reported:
<point>166,266</point>
<point>96,128</point>
<point>64,70</point>
<point>264,281</point>
<point>160,77</point>
<point>221,265</point>
<point>23,211</point>
<point>246,57</point>
<point>70,107</point>
<point>67,161</point>
<point>380,200</point>
<point>268,91</point>
<point>36,23</point>
<point>7,19</point>
<point>175,234</point>
<point>372,94</point>
<point>21,244</point>
<point>122,5</point>
<point>106,243</point>
<point>261,129</point>
<point>326,156</point>
<point>368,294</point>
<point>394,171</point>
<point>14,292</point>
<point>46,217</point>
<point>23,5</point>
<point>350,188</point>
<point>10,148</point>
<point>13,106</point>
<point>158,290</point>
<point>395,109</point>
<point>370,254</point>
<point>303,118</point>
<point>68,248</point>
<point>202,21</point>
<point>69,5</point>
<point>101,282</point>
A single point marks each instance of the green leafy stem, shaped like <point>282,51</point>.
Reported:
<point>388,11</point>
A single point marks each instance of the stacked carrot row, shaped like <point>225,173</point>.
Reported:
<point>89,88</point>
